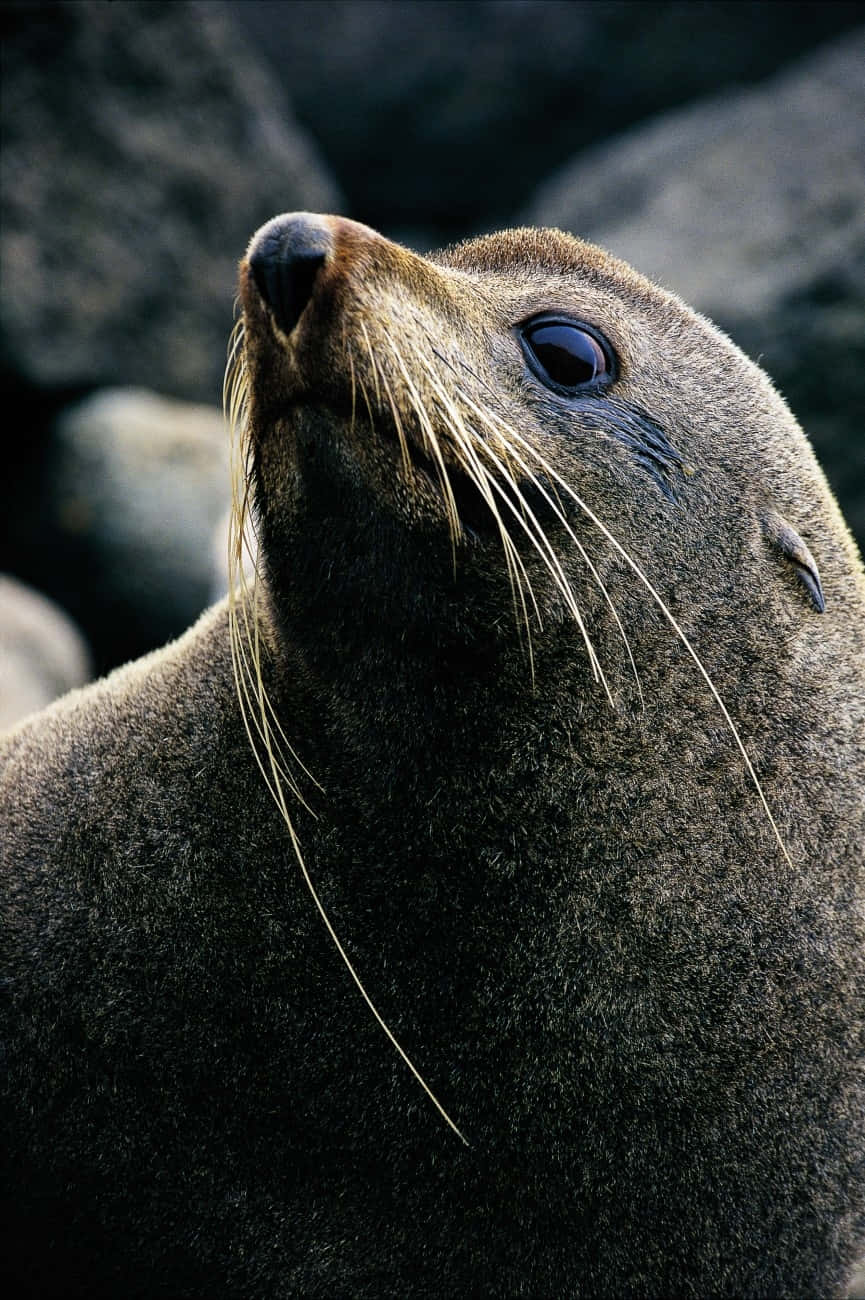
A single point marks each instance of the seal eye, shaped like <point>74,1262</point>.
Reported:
<point>564,355</point>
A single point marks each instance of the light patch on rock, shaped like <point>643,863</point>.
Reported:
<point>42,653</point>
<point>146,477</point>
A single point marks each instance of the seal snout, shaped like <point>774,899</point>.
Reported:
<point>285,257</point>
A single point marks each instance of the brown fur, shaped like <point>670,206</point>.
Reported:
<point>640,1003</point>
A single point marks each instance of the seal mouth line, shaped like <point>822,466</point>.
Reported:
<point>485,485</point>
<point>471,480</point>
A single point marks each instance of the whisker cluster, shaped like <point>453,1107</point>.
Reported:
<point>472,443</point>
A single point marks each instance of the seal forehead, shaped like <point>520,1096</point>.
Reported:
<point>530,254</point>
<point>509,251</point>
<point>529,263</point>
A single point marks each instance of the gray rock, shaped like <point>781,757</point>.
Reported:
<point>139,484</point>
<point>142,144</point>
<point>752,206</point>
<point>42,653</point>
<point>734,200</point>
<point>857,1283</point>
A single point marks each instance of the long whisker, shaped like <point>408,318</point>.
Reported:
<point>555,505</point>
<point>536,534</point>
<point>246,650</point>
<point>431,443</point>
<point>256,709</point>
<point>527,520</point>
<point>517,574</point>
<point>353,421</point>
<point>552,498</point>
<point>380,381</point>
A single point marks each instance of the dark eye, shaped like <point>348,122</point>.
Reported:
<point>564,355</point>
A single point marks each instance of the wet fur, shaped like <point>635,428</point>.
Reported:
<point>629,970</point>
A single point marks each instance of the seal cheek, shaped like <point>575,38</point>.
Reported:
<point>782,536</point>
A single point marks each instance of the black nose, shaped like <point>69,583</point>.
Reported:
<point>285,257</point>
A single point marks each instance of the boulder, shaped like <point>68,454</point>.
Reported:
<point>133,487</point>
<point>42,653</point>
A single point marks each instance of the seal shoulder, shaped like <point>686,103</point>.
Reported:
<point>121,714</point>
<point>90,786</point>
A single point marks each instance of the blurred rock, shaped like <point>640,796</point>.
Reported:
<point>857,1283</point>
<point>143,143</point>
<point>219,556</point>
<point>133,486</point>
<point>752,207</point>
<point>42,653</point>
<point>440,115</point>
<point>146,479</point>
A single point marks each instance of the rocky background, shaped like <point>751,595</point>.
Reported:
<point>718,146</point>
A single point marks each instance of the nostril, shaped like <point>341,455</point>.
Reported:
<point>286,285</point>
<point>285,258</point>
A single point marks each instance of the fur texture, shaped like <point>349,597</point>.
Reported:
<point>644,1014</point>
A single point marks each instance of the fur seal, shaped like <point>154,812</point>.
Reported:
<point>544,724</point>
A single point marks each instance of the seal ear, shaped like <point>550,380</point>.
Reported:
<point>784,538</point>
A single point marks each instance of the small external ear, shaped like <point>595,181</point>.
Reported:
<point>784,538</point>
